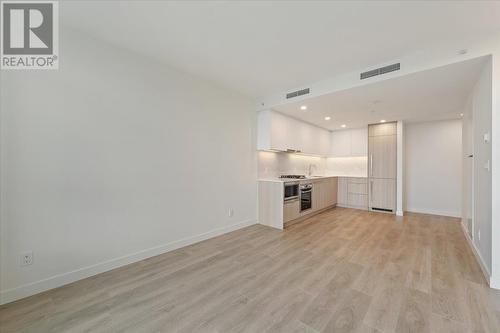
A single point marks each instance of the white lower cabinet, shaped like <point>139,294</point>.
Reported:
<point>353,192</point>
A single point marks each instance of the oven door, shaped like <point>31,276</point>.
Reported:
<point>291,191</point>
<point>305,199</point>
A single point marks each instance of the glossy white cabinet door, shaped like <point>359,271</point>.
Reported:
<point>359,142</point>
<point>341,143</point>
<point>281,127</point>
<point>322,142</point>
<point>349,143</point>
<point>279,132</point>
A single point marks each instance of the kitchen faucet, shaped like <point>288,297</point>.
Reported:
<point>311,167</point>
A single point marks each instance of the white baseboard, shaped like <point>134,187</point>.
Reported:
<point>479,258</point>
<point>33,288</point>
<point>399,213</point>
<point>434,212</point>
<point>495,283</point>
<point>352,207</point>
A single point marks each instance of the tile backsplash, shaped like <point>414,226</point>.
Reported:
<point>347,166</point>
<point>273,164</point>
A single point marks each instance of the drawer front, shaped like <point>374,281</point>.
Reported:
<point>353,180</point>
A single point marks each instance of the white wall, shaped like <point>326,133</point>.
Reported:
<point>481,106</point>
<point>114,158</point>
<point>355,166</point>
<point>433,167</point>
<point>467,168</point>
<point>495,166</point>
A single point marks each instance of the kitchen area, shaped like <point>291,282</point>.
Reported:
<point>305,169</point>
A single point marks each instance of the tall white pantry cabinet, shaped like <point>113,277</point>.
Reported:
<point>382,166</point>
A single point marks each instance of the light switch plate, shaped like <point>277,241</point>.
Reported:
<point>486,137</point>
<point>487,165</point>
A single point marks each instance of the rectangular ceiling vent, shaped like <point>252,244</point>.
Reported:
<point>297,93</point>
<point>379,71</point>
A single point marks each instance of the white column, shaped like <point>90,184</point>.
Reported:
<point>400,174</point>
<point>495,173</point>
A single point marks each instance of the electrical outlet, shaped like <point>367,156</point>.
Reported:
<point>230,213</point>
<point>27,258</point>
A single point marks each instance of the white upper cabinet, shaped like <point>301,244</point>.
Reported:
<point>359,142</point>
<point>349,143</point>
<point>341,143</point>
<point>323,142</point>
<point>282,133</point>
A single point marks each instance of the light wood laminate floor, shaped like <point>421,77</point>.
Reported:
<point>343,270</point>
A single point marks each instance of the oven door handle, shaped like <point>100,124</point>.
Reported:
<point>306,191</point>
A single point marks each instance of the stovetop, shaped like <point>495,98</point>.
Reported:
<point>293,176</point>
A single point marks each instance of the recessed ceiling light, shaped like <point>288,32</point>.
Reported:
<point>462,52</point>
<point>343,125</point>
<point>461,115</point>
<point>328,118</point>
<point>303,107</point>
<point>383,121</point>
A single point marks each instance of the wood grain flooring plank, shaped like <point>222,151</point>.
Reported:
<point>415,313</point>
<point>348,314</point>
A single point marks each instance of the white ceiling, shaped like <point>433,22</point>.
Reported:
<point>436,94</point>
<point>263,47</point>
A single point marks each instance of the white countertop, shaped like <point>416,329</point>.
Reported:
<point>286,180</point>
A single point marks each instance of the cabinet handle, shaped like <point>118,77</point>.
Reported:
<point>371,165</point>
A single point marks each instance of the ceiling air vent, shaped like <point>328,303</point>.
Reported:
<point>381,70</point>
<point>297,93</point>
